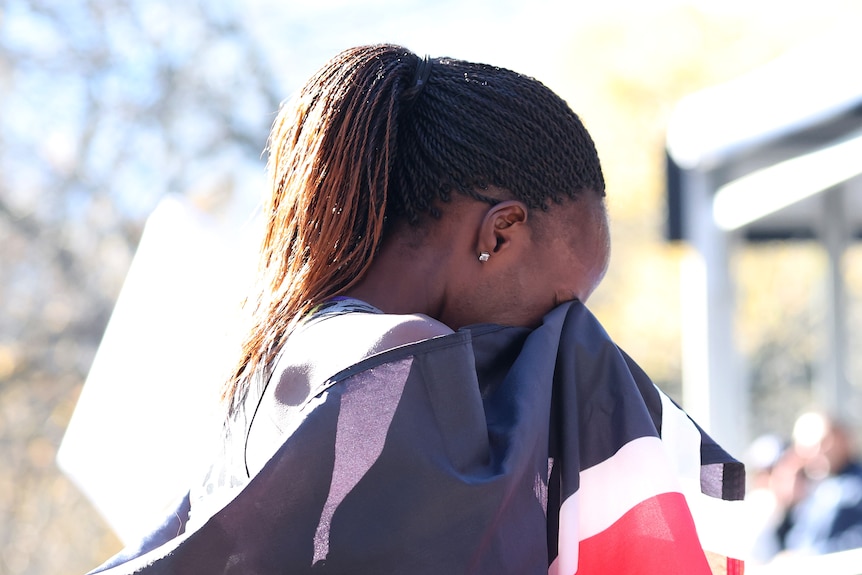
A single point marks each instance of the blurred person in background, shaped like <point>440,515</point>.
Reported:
<point>829,517</point>
<point>776,484</point>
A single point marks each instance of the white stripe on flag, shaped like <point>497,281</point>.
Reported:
<point>632,475</point>
<point>720,524</point>
<point>681,440</point>
<point>608,490</point>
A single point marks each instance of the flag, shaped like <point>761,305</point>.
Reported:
<point>490,450</point>
<point>625,501</point>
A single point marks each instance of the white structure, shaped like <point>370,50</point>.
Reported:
<point>774,154</point>
<point>148,414</point>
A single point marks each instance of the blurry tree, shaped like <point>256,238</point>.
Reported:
<point>105,106</point>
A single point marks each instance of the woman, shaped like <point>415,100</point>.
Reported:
<point>392,176</point>
<point>421,381</point>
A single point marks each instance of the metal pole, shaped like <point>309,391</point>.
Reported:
<point>715,391</point>
<point>832,389</point>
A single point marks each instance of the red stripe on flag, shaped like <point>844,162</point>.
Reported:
<point>655,537</point>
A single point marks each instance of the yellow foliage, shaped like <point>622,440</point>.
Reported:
<point>626,70</point>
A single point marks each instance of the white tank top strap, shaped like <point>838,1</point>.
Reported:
<point>338,305</point>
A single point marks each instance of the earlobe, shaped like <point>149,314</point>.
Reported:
<point>500,224</point>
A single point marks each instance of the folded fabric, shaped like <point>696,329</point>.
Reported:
<point>491,450</point>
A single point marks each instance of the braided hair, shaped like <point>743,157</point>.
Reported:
<point>377,136</point>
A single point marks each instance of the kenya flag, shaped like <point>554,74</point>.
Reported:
<point>489,451</point>
<point>626,502</point>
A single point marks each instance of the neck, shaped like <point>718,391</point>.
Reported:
<point>403,280</point>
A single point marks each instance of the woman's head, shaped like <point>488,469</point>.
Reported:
<point>530,260</point>
<point>381,140</point>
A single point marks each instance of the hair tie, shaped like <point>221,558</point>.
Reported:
<point>423,71</point>
<point>420,79</point>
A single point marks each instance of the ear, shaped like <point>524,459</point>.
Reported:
<point>502,225</point>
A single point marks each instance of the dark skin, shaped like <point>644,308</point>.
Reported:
<point>430,281</point>
<point>537,261</point>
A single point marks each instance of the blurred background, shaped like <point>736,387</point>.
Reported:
<point>108,106</point>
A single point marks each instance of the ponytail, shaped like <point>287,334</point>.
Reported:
<point>330,157</point>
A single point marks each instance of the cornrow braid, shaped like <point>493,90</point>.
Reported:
<point>476,126</point>
<point>379,135</point>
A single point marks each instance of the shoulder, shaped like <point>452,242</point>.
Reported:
<point>322,349</point>
<point>366,333</point>
<point>398,330</point>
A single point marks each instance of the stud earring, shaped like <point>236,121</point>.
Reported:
<point>484,256</point>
